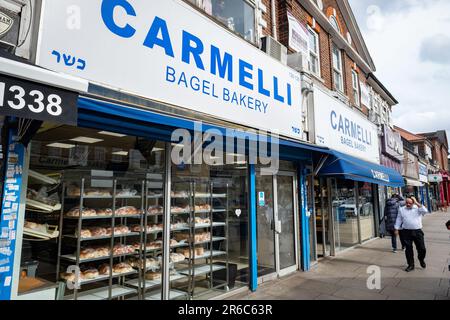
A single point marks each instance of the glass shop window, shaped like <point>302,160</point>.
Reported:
<point>237,15</point>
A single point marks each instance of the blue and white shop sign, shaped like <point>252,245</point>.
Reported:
<point>169,52</point>
<point>340,128</point>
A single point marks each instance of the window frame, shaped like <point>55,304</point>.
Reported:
<point>198,5</point>
<point>355,88</point>
<point>334,23</point>
<point>339,71</point>
<point>315,54</point>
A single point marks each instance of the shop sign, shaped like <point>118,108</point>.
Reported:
<point>380,176</point>
<point>6,23</point>
<point>392,143</point>
<point>29,100</point>
<point>340,128</point>
<point>435,178</point>
<point>169,52</point>
<point>423,173</point>
<point>298,35</point>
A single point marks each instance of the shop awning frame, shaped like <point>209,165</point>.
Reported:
<point>348,167</point>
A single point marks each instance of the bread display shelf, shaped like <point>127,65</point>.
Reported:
<point>214,239</point>
<point>179,245</point>
<point>136,216</point>
<point>130,234</point>
<point>103,293</point>
<point>51,234</point>
<point>42,178</point>
<point>173,294</point>
<point>105,277</point>
<point>149,284</point>
<point>36,205</point>
<point>209,254</point>
<point>203,269</point>
<point>104,197</point>
<point>72,257</point>
<point>207,225</point>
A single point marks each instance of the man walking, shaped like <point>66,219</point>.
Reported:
<point>410,220</point>
<point>390,213</point>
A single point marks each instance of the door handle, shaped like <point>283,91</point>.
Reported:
<point>278,226</point>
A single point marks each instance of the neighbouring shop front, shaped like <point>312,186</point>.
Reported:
<point>345,183</point>
<point>411,175</point>
<point>424,191</point>
<point>392,157</point>
<point>94,205</point>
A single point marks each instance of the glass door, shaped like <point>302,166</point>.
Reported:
<point>286,223</point>
<point>265,225</point>
<point>276,225</point>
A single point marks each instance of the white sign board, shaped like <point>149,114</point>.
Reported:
<point>435,178</point>
<point>298,35</point>
<point>344,130</point>
<point>365,95</point>
<point>169,52</point>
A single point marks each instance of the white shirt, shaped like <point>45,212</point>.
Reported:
<point>410,219</point>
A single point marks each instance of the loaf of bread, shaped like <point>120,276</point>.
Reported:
<point>104,212</point>
<point>89,274</point>
<point>85,212</point>
<point>127,211</point>
<point>85,233</point>
<point>97,232</point>
<point>122,268</point>
<point>104,269</point>
<point>153,275</point>
<point>87,253</point>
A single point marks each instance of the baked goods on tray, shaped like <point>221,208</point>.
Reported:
<point>85,212</point>
<point>121,249</point>
<point>104,269</point>
<point>153,275</point>
<point>104,212</point>
<point>85,233</point>
<point>122,268</point>
<point>176,257</point>
<point>96,232</point>
<point>89,274</point>
<point>203,207</point>
<point>155,210</point>
<point>127,211</point>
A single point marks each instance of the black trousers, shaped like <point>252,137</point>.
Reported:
<point>416,237</point>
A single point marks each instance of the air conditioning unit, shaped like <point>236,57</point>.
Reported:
<point>10,20</point>
<point>298,62</point>
<point>274,49</point>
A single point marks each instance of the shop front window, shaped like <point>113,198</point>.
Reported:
<point>366,210</point>
<point>237,15</point>
<point>210,207</point>
<point>345,214</point>
<point>95,220</point>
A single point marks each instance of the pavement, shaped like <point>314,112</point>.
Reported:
<point>345,277</point>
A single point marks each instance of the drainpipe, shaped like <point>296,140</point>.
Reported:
<point>274,20</point>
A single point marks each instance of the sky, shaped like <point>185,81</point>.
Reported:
<point>409,41</point>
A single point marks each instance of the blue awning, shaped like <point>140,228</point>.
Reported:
<point>119,117</point>
<point>339,164</point>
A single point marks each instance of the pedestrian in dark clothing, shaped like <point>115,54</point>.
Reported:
<point>448,225</point>
<point>390,217</point>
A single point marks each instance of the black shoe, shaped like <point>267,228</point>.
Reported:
<point>423,264</point>
<point>409,269</point>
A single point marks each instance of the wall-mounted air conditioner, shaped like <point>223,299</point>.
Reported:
<point>274,48</point>
<point>298,62</point>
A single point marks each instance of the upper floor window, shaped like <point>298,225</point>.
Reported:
<point>334,23</point>
<point>237,15</point>
<point>355,87</point>
<point>337,69</point>
<point>314,52</point>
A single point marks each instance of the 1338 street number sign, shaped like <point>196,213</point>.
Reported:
<point>25,99</point>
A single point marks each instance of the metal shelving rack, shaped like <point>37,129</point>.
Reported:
<point>195,270</point>
<point>112,291</point>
